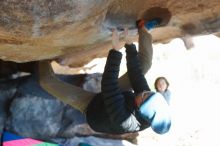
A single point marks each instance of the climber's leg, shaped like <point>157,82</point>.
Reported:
<point>67,93</point>
<point>145,49</point>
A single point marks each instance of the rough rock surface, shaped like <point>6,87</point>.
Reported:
<point>79,30</point>
<point>32,112</point>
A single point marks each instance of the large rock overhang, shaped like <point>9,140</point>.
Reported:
<point>80,30</point>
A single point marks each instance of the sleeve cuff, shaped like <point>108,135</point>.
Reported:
<point>130,49</point>
<point>115,54</point>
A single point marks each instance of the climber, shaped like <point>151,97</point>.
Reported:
<point>115,111</point>
<point>78,97</point>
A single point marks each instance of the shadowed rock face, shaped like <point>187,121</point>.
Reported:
<point>80,30</point>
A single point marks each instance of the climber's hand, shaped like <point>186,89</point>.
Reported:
<point>115,40</point>
<point>128,37</point>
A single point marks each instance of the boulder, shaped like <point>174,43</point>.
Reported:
<point>78,31</point>
<point>32,112</point>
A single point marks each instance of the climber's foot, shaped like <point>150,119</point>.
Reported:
<point>148,24</point>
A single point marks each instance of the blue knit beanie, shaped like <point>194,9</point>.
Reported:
<point>156,111</point>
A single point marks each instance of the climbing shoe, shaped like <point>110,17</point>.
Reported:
<point>148,24</point>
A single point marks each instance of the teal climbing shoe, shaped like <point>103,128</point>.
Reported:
<point>152,23</point>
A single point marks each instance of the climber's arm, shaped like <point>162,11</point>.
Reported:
<point>135,74</point>
<point>114,101</point>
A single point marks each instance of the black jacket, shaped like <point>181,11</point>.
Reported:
<point>113,111</point>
